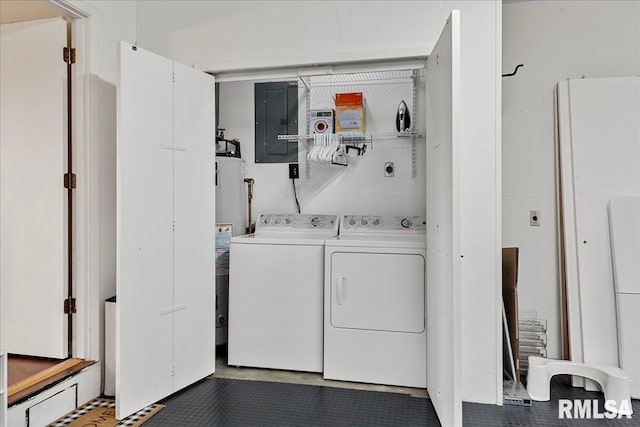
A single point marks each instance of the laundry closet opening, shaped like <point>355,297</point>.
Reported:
<point>294,299</point>
<point>270,290</point>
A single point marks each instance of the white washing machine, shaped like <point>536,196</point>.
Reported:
<point>276,292</point>
<point>374,301</point>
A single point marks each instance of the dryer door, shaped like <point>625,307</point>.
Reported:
<point>377,291</point>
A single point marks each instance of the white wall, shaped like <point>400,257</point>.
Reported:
<point>227,35</point>
<point>239,35</point>
<point>361,188</point>
<point>555,40</point>
<point>115,22</point>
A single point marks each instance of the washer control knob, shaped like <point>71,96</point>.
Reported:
<point>287,221</point>
<point>364,221</point>
<point>376,222</point>
<point>267,220</point>
<point>316,222</point>
<point>352,221</point>
<point>406,223</point>
<point>278,220</point>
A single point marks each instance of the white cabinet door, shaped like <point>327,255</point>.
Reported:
<point>443,225</point>
<point>144,283</point>
<point>33,216</point>
<point>194,212</point>
<point>165,331</point>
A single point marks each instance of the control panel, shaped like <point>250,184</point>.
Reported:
<point>296,223</point>
<point>382,223</point>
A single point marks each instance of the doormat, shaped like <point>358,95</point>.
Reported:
<point>102,413</point>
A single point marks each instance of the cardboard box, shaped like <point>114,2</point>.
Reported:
<point>350,113</point>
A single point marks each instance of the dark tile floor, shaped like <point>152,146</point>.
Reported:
<point>227,402</point>
<point>543,413</point>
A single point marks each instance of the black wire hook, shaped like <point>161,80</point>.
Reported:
<point>514,71</point>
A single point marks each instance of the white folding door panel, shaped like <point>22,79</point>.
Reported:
<point>33,215</point>
<point>165,332</point>
<point>443,223</point>
<point>144,325</point>
<point>194,211</point>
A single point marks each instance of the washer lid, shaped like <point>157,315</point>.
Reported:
<point>302,239</point>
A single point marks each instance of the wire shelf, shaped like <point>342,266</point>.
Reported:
<point>358,136</point>
<point>363,77</point>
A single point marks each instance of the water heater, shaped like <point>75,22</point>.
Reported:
<point>231,194</point>
<point>231,208</point>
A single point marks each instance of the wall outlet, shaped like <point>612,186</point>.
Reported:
<point>534,218</point>
<point>294,171</point>
<point>389,169</point>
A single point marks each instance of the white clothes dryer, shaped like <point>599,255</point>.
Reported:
<point>374,301</point>
<point>276,292</point>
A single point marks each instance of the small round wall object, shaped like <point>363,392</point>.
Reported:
<point>389,169</point>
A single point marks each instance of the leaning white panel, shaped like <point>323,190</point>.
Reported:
<point>624,223</point>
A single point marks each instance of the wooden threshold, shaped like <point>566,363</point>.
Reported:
<point>35,383</point>
<point>20,367</point>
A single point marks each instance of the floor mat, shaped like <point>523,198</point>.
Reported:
<point>544,413</point>
<point>102,413</point>
<point>226,402</point>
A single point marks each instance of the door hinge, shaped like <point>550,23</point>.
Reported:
<point>69,55</point>
<point>69,305</point>
<point>66,180</point>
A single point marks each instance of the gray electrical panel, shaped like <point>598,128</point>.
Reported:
<point>276,109</point>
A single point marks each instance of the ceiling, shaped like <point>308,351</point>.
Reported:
<point>26,10</point>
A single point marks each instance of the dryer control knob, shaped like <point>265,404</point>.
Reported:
<point>287,221</point>
<point>376,222</point>
<point>364,221</point>
<point>352,221</point>
<point>316,222</point>
<point>406,222</point>
<point>267,220</point>
<point>278,221</point>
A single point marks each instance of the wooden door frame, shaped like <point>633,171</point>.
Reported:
<point>86,322</point>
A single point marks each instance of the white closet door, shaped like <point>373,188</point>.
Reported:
<point>165,336</point>
<point>33,156</point>
<point>144,309</point>
<point>194,216</point>
<point>443,222</point>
